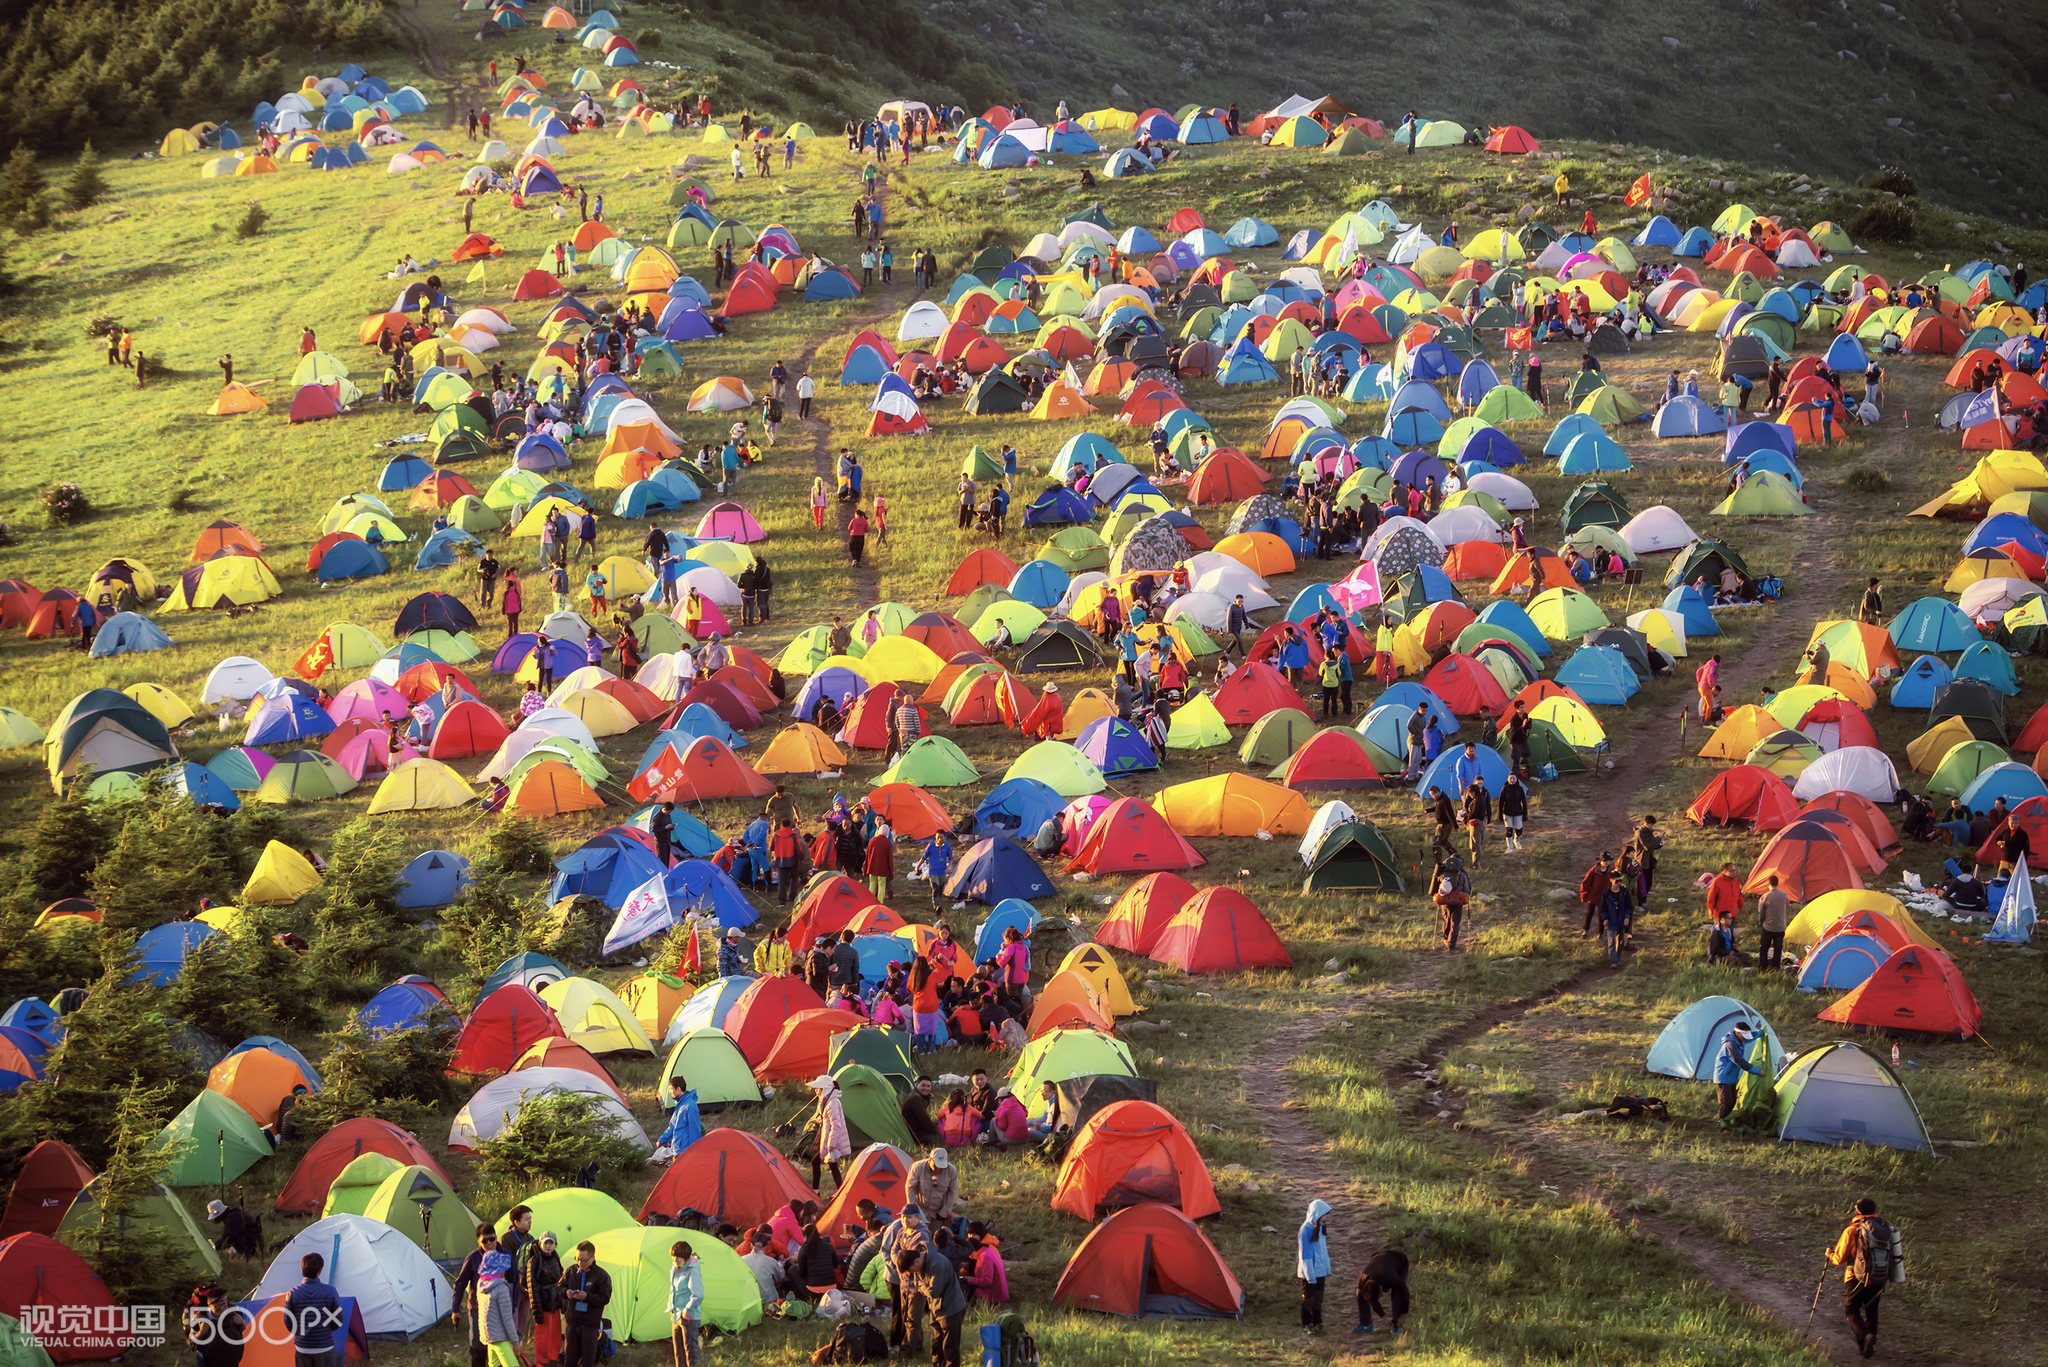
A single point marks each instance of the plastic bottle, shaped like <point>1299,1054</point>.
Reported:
<point>1895,1053</point>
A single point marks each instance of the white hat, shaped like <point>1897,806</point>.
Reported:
<point>822,1083</point>
<point>938,1157</point>
<point>733,933</point>
<point>216,1210</point>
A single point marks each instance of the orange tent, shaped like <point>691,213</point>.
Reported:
<point>945,635</point>
<point>306,1190</point>
<point>1226,476</point>
<point>1129,836</point>
<point>877,1173</point>
<point>374,327</point>
<point>730,1176</point>
<point>803,1044</point>
<point>1475,560</point>
<point>984,566</point>
<point>1147,907</point>
<point>756,1019</point>
<point>1070,999</point>
<point>638,436</point>
<point>1847,830</point>
<point>257,1080</point>
<point>1869,818</point>
<point>237,398</point>
<point>910,811</point>
<point>827,908</point>
<point>588,235</point>
<point>867,722</point>
<point>563,1053</point>
<point>220,536</point>
<point>476,247</point>
<point>552,788</point>
<point>1518,571</point>
<point>1935,336</point>
<point>1809,859</point>
<point>536,284</point>
<point>1748,796</point>
<point>1149,1256</point>
<point>949,674</point>
<point>1961,374</point>
<point>1131,1152</point>
<point>983,701</point>
<point>1334,757</point>
<point>1220,931</point>
<point>468,728</point>
<point>439,489</point>
<point>1262,553</point>
<point>705,772</point>
<point>1876,925</point>
<point>1233,804</point>
<point>1918,991</point>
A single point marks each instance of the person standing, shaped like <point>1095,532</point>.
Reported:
<point>497,1328</point>
<point>1514,811</point>
<point>1312,1264</point>
<point>1774,911</point>
<point>879,863</point>
<point>685,1304</point>
<point>805,389</point>
<point>315,1310</point>
<point>1450,908</point>
<point>1871,1259</point>
<point>586,1290</point>
<point>513,601</point>
<point>856,536</point>
<point>1871,610</point>
<point>662,826</point>
<point>931,1272</point>
<point>539,1273</point>
<point>487,577</point>
<point>1730,1063</point>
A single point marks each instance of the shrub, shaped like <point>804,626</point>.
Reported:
<point>102,325</point>
<point>647,38</point>
<point>66,505</point>
<point>553,1139</point>
<point>398,1075</point>
<point>1891,180</point>
<point>179,501</point>
<point>252,220</point>
<point>1867,479</point>
<point>21,183</point>
<point>1886,220</point>
<point>515,846</point>
<point>87,184</point>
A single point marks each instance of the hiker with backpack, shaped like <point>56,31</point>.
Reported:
<point>1729,1065</point>
<point>1871,1257</point>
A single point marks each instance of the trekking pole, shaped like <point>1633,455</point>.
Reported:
<point>1818,1287</point>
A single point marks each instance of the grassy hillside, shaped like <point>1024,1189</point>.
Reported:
<point>1954,93</point>
<point>1425,1094</point>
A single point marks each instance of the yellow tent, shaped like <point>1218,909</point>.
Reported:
<point>231,581</point>
<point>537,516</point>
<point>421,785</point>
<point>177,143</point>
<point>1094,963</point>
<point>601,712</point>
<point>1738,733</point>
<point>166,706</point>
<point>593,1016</point>
<point>282,875</point>
<point>1823,911</point>
<point>1925,751</point>
<point>1495,244</point>
<point>801,748</point>
<point>16,730</point>
<point>1233,804</point>
<point>1197,725</point>
<point>1578,725</point>
<point>901,659</point>
<point>625,576</point>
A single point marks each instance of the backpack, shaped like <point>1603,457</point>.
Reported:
<point>1016,1347</point>
<point>854,1343</point>
<point>1873,1262</point>
<point>1636,1107</point>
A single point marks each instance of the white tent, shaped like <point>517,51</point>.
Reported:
<point>1468,522</point>
<point>555,721</point>
<point>494,150</point>
<point>639,411</point>
<point>1514,495</point>
<point>498,1101</point>
<point>1080,583</point>
<point>1796,255</point>
<point>1081,230</point>
<point>235,679</point>
<point>1225,584</point>
<point>1294,106</point>
<point>1044,247</point>
<point>393,1282</point>
<point>1331,814</point>
<point>516,747</point>
<point>712,583</point>
<point>1860,769</point>
<point>1987,600</point>
<point>1385,532</point>
<point>545,146</point>
<point>1208,611</point>
<point>490,320</point>
<point>922,320</point>
<point>1408,246</point>
<point>1109,296</point>
<point>1675,624</point>
<point>1657,528</point>
<point>565,626</point>
<point>1309,409</point>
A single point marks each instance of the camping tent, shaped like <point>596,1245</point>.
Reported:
<point>1150,1262</point>
<point>1838,1094</point>
<point>1132,1152</point>
<point>392,1281</point>
<point>1686,1047</point>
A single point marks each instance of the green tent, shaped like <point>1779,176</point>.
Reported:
<point>1961,765</point>
<point>354,1185</point>
<point>1594,504</point>
<point>1349,143</point>
<point>447,1235</point>
<point>1276,736</point>
<point>218,1142</point>
<point>1582,387</point>
<point>1060,767</point>
<point>1353,857</point>
<point>981,600</point>
<point>1059,1055</point>
<point>933,762</point>
<point>1706,558</point>
<point>710,1065</point>
<point>1195,641</point>
<point>979,464</point>
<point>660,364</point>
<point>639,1263</point>
<point>1197,725</point>
<point>1756,1098</point>
<point>873,1112</point>
<point>1610,406</point>
<point>688,231</point>
<point>998,392</point>
<point>575,1214</point>
<point>160,1212</point>
<point>1547,745</point>
<point>1075,549</point>
<point>18,1347</point>
<point>1766,493</point>
<point>874,1046</point>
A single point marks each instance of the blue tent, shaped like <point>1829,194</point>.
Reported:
<point>1040,583</point>
<point>676,485</point>
<point>434,879</point>
<point>1694,243</point>
<point>1115,747</point>
<point>644,498</point>
<point>1999,528</point>
<point>691,836</point>
<point>1375,452</point>
<point>1925,677</point>
<point>1434,361</point>
<point>1311,601</point>
<point>2013,781</point>
<point>864,365</point>
<point>1071,138</point>
<point>1746,439</point>
<point>683,320</point>
<point>1246,364</point>
<point>1692,608</point>
<point>540,453</point>
<point>837,682</point>
<point>438,551</point>
<point>161,952</point>
<point>292,717</point>
<point>1493,446</point>
<point>1991,663</point>
<point>702,885</point>
<point>1493,771</point>
<point>696,720</point>
<point>1017,806</point>
<point>37,1018</point>
<point>877,952</point>
<point>830,284</point>
<point>351,560</point>
<point>128,633</point>
<point>1057,506</point>
<point>996,869</point>
<point>988,937</point>
<point>1202,128</point>
<point>1003,153</point>
<point>1600,675</point>
<point>203,786</point>
<point>1414,394</point>
<point>1687,1045</point>
<point>1846,355</point>
<point>1475,382</point>
<point>566,655</point>
<point>529,969</point>
<point>1658,232</point>
<point>1251,232</point>
<point>607,867</point>
<point>1592,453</point>
<point>1125,161</point>
<point>1686,416</point>
<point>1571,426</point>
<point>1933,624</point>
<point>1407,694</point>
<point>1286,528</point>
<point>1842,961</point>
<point>1412,427</point>
<point>707,1007</point>
<point>406,472</point>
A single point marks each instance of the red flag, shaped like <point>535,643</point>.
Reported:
<point>693,954</point>
<point>318,656</point>
<point>661,772</point>
<point>1639,191</point>
<point>1519,340</point>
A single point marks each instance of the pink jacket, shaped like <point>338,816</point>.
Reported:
<point>989,1278</point>
<point>1015,961</point>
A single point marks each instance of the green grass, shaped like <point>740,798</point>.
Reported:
<point>1507,1273</point>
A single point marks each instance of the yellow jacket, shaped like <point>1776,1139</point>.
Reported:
<point>772,957</point>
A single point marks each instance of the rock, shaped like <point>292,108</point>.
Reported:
<point>1263,1229</point>
<point>1446,1115</point>
<point>1888,123</point>
<point>1330,980</point>
<point>1669,41</point>
<point>1233,1167</point>
<point>1122,93</point>
<point>115,217</point>
<point>1253,1186</point>
<point>64,259</point>
<point>1327,963</point>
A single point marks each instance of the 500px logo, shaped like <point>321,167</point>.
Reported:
<point>95,1326</point>
<point>275,1325</point>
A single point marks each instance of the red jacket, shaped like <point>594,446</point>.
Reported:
<point>1724,895</point>
<point>1594,885</point>
<point>881,860</point>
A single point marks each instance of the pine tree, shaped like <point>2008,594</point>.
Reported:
<point>69,838</point>
<point>88,184</point>
<point>168,856</point>
<point>21,182</point>
<point>116,1035</point>
<point>398,1075</point>
<point>135,1257</point>
<point>553,1138</point>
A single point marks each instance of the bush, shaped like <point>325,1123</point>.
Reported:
<point>647,38</point>
<point>66,505</point>
<point>243,983</point>
<point>1891,180</point>
<point>252,220</point>
<point>1886,220</point>
<point>1867,479</point>
<point>486,925</point>
<point>553,1139</point>
<point>398,1075</point>
<point>179,501</point>
<point>87,184</point>
<point>515,846</point>
<point>21,183</point>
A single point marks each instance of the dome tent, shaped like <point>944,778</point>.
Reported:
<point>1838,1094</point>
<point>1687,1045</point>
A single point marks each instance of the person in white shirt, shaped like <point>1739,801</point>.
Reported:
<point>805,388</point>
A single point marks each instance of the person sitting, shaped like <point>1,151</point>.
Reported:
<point>958,1124</point>
<point>1965,893</point>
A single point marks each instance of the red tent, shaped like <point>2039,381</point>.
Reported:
<point>313,402</point>
<point>1875,924</point>
<point>49,1181</point>
<point>994,699</point>
<point>705,772</point>
<point>1836,724</point>
<point>756,1019</point>
<point>729,1175</point>
<point>503,1026</point>
<point>945,635</point>
<point>1467,687</point>
<point>1849,832</point>
<point>2030,816</point>
<point>537,284</point>
<point>803,1044</point>
<point>468,728</point>
<point>867,722</point>
<point>1131,1152</point>
<point>36,1270</point>
<point>1226,476</point>
<point>877,1173</point>
<point>1218,930</point>
<point>1333,757</point>
<point>733,707</point>
<point>1917,990</point>
<point>305,1192</point>
<point>1511,141</point>
<point>1748,795</point>
<point>1809,859</point>
<point>985,566</point>
<point>1130,836</point>
<point>1149,1258</point>
<point>827,908</point>
<point>1184,221</point>
<point>1254,691</point>
<point>1147,907</point>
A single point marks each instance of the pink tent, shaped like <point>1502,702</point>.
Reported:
<point>709,621</point>
<point>369,699</point>
<point>1078,817</point>
<point>1334,460</point>
<point>1357,292</point>
<point>730,522</point>
<point>370,752</point>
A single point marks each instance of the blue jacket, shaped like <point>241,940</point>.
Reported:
<point>685,1291</point>
<point>1312,1253</point>
<point>1465,772</point>
<point>1733,1060</point>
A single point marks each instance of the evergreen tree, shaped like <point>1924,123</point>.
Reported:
<point>88,184</point>
<point>116,1035</point>
<point>168,856</point>
<point>135,1258</point>
<point>21,182</point>
<point>397,1075</point>
<point>553,1138</point>
<point>242,983</point>
<point>70,836</point>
